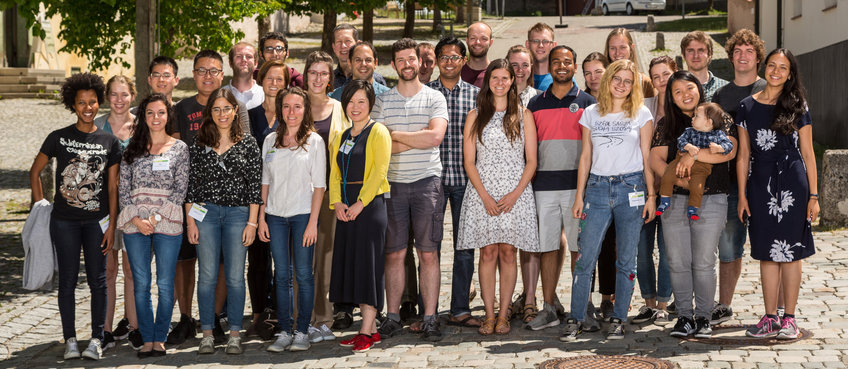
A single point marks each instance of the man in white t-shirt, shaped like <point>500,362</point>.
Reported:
<point>243,58</point>
<point>417,117</point>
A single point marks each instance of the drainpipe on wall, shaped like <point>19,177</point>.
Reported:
<point>779,23</point>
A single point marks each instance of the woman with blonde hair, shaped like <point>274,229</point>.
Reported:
<point>617,183</point>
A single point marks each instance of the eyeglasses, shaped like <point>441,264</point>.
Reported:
<point>618,80</point>
<point>536,42</point>
<point>275,49</point>
<point>157,75</point>
<point>208,72</point>
<point>452,58</point>
<point>225,110</point>
<point>321,75</point>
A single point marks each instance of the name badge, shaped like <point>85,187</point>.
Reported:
<point>347,146</point>
<point>269,156</point>
<point>197,211</point>
<point>636,198</point>
<point>161,164</point>
<point>104,224</point>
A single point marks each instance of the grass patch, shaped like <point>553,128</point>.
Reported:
<point>706,24</point>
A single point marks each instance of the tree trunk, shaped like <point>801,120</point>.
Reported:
<point>409,24</point>
<point>437,17</point>
<point>327,35</point>
<point>263,26</point>
<point>459,17</point>
<point>145,20</point>
<point>710,4</point>
<point>468,9</point>
<point>368,25</point>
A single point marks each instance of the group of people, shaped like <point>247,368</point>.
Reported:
<point>329,183</point>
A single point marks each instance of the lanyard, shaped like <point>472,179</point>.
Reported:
<point>346,158</point>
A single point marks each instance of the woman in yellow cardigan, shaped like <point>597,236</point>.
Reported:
<point>359,164</point>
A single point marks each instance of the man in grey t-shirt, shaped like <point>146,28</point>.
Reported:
<point>417,117</point>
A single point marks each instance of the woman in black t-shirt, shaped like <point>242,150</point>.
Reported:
<point>691,245</point>
<point>86,199</point>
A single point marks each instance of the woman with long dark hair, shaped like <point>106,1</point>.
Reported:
<point>691,246</point>
<point>777,136</point>
<point>499,215</point>
<point>85,205</point>
<point>617,183</point>
<point>224,194</point>
<point>154,180</point>
<point>293,186</point>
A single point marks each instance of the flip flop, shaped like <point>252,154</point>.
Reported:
<point>464,322</point>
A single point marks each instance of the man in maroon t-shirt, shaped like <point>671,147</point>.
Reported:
<point>479,40</point>
<point>274,46</point>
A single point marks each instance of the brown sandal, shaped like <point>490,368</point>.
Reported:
<point>502,327</point>
<point>488,327</point>
<point>530,312</point>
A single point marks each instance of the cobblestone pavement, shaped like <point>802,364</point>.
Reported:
<point>30,329</point>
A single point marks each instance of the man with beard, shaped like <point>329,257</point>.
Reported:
<point>363,59</point>
<point>243,59</point>
<point>344,37</point>
<point>697,49</point>
<point>557,113</point>
<point>540,40</point>
<point>461,98</point>
<point>417,117</point>
<point>479,40</point>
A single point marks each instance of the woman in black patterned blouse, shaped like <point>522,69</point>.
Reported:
<point>222,205</point>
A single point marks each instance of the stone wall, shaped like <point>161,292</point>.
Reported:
<point>834,188</point>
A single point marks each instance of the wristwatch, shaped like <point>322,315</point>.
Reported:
<point>154,218</point>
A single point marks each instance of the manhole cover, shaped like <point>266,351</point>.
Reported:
<point>734,335</point>
<point>603,361</point>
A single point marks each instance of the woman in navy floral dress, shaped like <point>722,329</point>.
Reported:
<point>782,193</point>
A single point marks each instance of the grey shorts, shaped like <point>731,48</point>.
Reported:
<point>418,203</point>
<point>554,210</point>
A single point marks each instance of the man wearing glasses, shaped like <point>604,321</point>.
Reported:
<point>697,49</point>
<point>243,58</point>
<point>461,97</point>
<point>274,46</point>
<point>344,37</point>
<point>363,60</point>
<point>479,40</point>
<point>540,41</point>
<point>162,76</point>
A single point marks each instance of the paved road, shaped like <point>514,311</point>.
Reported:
<point>30,330</point>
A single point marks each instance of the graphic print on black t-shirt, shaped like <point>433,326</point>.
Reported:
<point>82,178</point>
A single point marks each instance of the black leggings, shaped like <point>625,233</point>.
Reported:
<point>260,277</point>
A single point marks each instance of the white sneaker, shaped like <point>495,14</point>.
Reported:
<point>284,340</point>
<point>300,342</point>
<point>327,333</point>
<point>94,350</point>
<point>233,346</point>
<point>71,349</point>
<point>315,335</point>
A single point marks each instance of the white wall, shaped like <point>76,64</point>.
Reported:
<point>813,30</point>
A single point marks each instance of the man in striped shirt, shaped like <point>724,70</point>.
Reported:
<point>417,117</point>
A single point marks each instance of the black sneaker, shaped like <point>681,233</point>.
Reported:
<point>645,314</point>
<point>390,328</point>
<point>108,341</point>
<point>721,313</point>
<point>184,330</point>
<point>342,321</point>
<point>671,308</point>
<point>572,329</point>
<point>407,311</point>
<point>266,329</point>
<point>136,342</point>
<point>123,329</point>
<point>606,310</point>
<point>683,328</point>
<point>218,331</point>
<point>702,328</point>
<point>430,331</point>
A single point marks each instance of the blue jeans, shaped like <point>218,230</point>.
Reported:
<point>68,236</point>
<point>463,260</point>
<point>653,282</point>
<point>167,249</point>
<point>731,245</point>
<point>220,232</point>
<point>287,249</point>
<point>606,199</point>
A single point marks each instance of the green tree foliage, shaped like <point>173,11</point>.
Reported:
<point>103,30</point>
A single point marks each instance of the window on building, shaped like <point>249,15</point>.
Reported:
<point>796,12</point>
<point>829,4</point>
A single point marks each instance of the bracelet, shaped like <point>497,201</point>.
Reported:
<point>254,225</point>
<point>814,195</point>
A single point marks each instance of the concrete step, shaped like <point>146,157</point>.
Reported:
<point>4,88</point>
<point>28,95</point>
<point>32,79</point>
<point>31,72</point>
